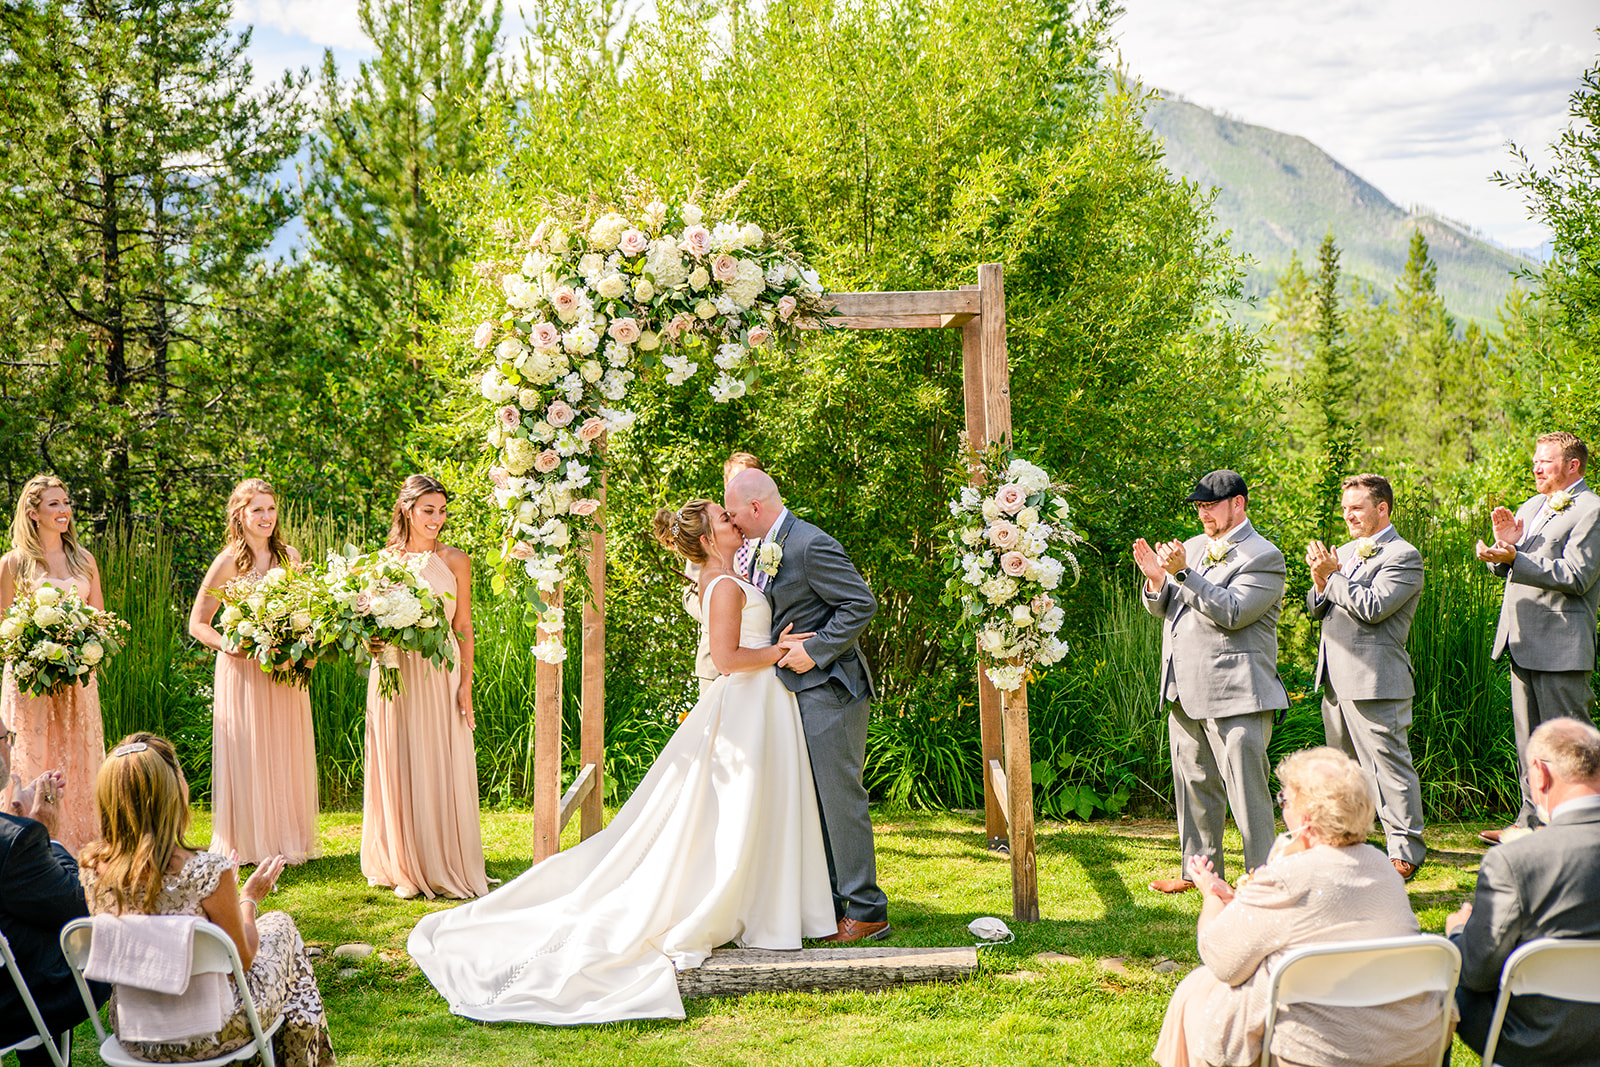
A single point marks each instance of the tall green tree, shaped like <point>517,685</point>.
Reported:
<point>140,163</point>
<point>1330,387</point>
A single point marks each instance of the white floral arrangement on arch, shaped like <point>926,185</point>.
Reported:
<point>602,294</point>
<point>1009,549</point>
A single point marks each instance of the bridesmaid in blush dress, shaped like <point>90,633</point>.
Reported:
<point>263,763</point>
<point>61,732</point>
<point>419,822</point>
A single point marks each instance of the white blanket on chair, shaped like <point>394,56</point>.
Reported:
<point>148,959</point>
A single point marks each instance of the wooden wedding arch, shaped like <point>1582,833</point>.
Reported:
<point>979,312</point>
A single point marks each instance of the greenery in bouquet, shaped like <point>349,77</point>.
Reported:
<point>381,598</point>
<point>52,639</point>
<point>269,617</point>
<point>1009,548</point>
<point>596,295</point>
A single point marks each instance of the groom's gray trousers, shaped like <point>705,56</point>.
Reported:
<point>836,737</point>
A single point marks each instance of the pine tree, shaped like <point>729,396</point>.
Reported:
<point>1330,387</point>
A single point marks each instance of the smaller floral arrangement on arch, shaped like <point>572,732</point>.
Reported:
<point>52,639</point>
<point>379,602</point>
<point>1009,548</point>
<point>269,618</point>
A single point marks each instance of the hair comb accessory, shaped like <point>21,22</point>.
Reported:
<point>129,749</point>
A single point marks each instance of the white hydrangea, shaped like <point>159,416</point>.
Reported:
<point>727,388</point>
<point>679,369</point>
<point>747,288</point>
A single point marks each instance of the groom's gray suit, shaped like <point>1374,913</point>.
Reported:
<point>1365,675</point>
<point>1547,619</point>
<point>1219,670</point>
<point>817,589</point>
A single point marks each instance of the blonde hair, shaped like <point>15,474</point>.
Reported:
<point>1570,746</point>
<point>415,488</point>
<point>244,559</point>
<point>25,535</point>
<point>1332,794</point>
<point>739,461</point>
<point>144,811</point>
<point>682,530</point>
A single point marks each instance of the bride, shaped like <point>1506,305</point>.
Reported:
<point>720,842</point>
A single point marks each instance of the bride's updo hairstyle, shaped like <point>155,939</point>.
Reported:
<point>682,530</point>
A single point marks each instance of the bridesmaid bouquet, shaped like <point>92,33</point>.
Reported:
<point>269,618</point>
<point>52,640</point>
<point>382,597</point>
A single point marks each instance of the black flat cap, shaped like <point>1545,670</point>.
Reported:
<point>1218,485</point>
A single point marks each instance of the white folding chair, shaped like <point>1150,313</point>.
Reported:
<point>1363,974</point>
<point>1567,969</point>
<point>214,952</point>
<point>59,1055</point>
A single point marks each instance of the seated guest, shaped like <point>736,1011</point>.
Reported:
<point>39,894</point>
<point>142,866</point>
<point>1325,884</point>
<point>1545,884</point>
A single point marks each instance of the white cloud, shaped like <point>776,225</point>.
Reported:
<point>320,23</point>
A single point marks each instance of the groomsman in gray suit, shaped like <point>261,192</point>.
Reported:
<point>1366,596</point>
<point>811,584</point>
<point>1219,594</point>
<point>1545,885</point>
<point>1549,555</point>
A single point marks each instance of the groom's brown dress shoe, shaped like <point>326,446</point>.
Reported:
<point>853,930</point>
<point>1172,885</point>
<point>1404,868</point>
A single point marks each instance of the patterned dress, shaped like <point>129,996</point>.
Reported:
<point>280,977</point>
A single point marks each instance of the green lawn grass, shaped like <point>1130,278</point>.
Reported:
<point>1019,1010</point>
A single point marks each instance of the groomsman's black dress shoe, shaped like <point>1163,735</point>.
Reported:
<point>853,930</point>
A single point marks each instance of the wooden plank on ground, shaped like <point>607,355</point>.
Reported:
<point>735,972</point>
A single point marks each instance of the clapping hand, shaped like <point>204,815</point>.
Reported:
<point>1322,562</point>
<point>1204,875</point>
<point>40,799</point>
<point>1159,560</point>
<point>1501,552</point>
<point>263,880</point>
<point>1507,527</point>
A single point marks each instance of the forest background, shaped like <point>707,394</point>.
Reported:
<point>157,352</point>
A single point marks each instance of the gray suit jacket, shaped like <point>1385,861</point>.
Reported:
<point>1366,617</point>
<point>1547,619</point>
<point>818,589</point>
<point>1220,639</point>
<point>1544,885</point>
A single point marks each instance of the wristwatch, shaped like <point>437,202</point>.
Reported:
<point>1181,576</point>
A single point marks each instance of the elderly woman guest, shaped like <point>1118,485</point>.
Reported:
<point>142,866</point>
<point>1325,884</point>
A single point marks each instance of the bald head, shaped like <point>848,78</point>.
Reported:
<point>1571,749</point>
<point>753,502</point>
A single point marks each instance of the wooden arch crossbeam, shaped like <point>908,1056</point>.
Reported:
<point>979,312</point>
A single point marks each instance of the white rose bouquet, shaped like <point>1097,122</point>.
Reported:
<point>52,639</point>
<point>382,597</point>
<point>595,295</point>
<point>1009,548</point>
<point>270,618</point>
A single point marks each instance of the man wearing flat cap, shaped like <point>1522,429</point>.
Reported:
<point>1219,594</point>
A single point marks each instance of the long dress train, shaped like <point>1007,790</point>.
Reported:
<point>419,816</point>
<point>60,733</point>
<point>720,842</point>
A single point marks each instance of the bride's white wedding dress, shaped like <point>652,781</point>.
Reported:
<point>720,842</point>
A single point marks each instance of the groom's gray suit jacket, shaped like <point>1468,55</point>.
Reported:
<point>1547,620</point>
<point>818,589</point>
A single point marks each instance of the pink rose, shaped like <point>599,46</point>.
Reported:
<point>786,306</point>
<point>626,331</point>
<point>1014,564</point>
<point>509,417</point>
<point>1004,534</point>
<point>760,336</point>
<point>585,506</point>
<point>633,242</point>
<point>500,477</point>
<point>1011,497</point>
<point>363,603</point>
<point>560,414</point>
<point>483,335</point>
<point>675,328</point>
<point>696,241</point>
<point>522,550</point>
<point>725,268</point>
<point>546,461</point>
<point>546,335</point>
<point>564,298</point>
<point>592,428</point>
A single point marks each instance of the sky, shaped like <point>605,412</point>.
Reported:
<point>1419,97</point>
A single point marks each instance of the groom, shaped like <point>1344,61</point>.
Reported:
<point>812,584</point>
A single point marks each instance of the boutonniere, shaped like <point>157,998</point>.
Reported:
<point>1366,548</point>
<point>769,557</point>
<point>1216,552</point>
<point>1559,501</point>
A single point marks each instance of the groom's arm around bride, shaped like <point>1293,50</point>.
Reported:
<point>813,586</point>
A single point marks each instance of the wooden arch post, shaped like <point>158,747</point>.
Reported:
<point>979,312</point>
